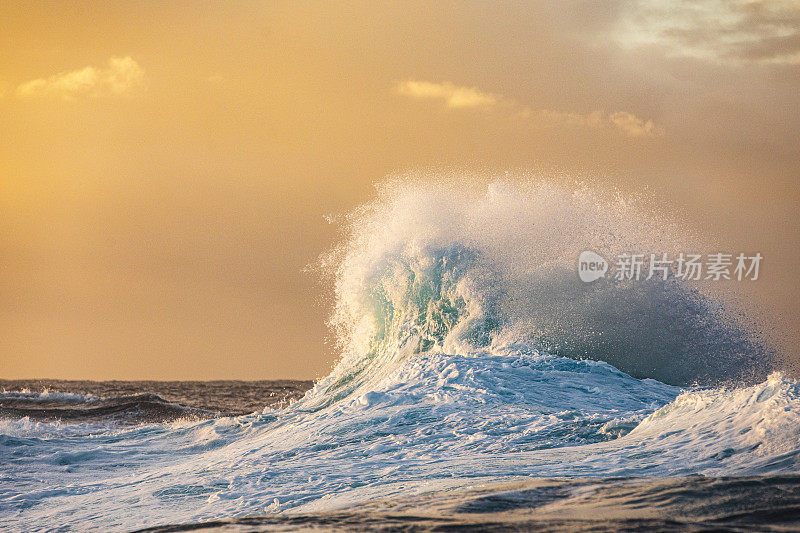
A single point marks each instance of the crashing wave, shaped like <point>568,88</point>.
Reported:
<point>429,267</point>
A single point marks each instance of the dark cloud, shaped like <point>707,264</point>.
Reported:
<point>766,30</point>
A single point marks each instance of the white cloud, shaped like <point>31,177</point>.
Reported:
<point>452,95</point>
<point>632,125</point>
<point>623,121</point>
<point>122,77</point>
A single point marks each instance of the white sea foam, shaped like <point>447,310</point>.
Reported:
<point>46,395</point>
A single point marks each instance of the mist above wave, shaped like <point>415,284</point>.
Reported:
<point>436,266</point>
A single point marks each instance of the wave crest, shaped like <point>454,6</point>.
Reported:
<point>429,267</point>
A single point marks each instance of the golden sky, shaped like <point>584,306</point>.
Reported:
<point>166,167</point>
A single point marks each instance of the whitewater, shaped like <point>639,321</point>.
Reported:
<point>472,356</point>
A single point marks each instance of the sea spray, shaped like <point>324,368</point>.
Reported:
<point>429,266</point>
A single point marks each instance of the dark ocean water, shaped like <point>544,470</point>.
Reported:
<point>135,402</point>
<point>594,505</point>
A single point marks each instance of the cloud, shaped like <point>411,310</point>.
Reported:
<point>122,77</point>
<point>595,119</point>
<point>464,97</point>
<point>623,121</point>
<point>632,125</point>
<point>723,31</point>
<point>452,95</point>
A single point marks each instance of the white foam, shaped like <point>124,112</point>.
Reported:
<point>46,395</point>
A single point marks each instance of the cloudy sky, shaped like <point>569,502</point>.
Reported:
<point>166,169</point>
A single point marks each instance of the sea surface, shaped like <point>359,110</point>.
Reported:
<point>136,402</point>
<point>479,385</point>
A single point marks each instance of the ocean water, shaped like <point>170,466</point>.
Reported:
<point>136,402</point>
<point>480,385</point>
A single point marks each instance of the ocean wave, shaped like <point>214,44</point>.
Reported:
<point>432,268</point>
<point>434,421</point>
<point>471,353</point>
<point>68,407</point>
<point>46,396</point>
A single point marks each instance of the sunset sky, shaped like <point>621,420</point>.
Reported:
<point>167,169</point>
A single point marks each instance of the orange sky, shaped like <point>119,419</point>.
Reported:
<point>165,168</point>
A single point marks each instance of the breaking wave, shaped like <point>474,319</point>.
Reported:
<point>431,267</point>
<point>470,351</point>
